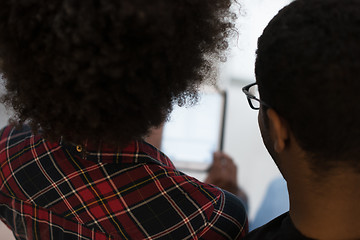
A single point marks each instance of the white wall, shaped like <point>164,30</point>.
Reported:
<point>242,139</point>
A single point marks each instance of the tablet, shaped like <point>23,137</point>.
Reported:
<point>193,134</point>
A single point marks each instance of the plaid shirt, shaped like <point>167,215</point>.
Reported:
<point>62,191</point>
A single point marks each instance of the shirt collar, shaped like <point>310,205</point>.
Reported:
<point>135,153</point>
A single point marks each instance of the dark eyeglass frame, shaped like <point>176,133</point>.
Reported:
<point>250,97</point>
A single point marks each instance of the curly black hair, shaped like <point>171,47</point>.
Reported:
<point>308,69</point>
<point>107,70</point>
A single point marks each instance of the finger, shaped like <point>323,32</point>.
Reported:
<point>217,158</point>
<point>226,156</point>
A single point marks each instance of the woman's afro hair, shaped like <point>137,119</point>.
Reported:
<point>107,70</point>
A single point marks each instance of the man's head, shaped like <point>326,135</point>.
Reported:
<point>308,71</point>
<point>107,69</point>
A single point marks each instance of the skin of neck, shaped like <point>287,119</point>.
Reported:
<point>323,204</point>
<point>326,208</point>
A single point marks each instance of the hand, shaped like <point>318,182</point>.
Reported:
<point>223,173</point>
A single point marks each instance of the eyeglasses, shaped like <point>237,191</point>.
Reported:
<point>252,94</point>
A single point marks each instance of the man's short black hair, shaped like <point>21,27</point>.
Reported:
<point>107,69</point>
<point>308,70</point>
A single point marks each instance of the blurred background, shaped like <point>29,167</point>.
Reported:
<point>257,174</point>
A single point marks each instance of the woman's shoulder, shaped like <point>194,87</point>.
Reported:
<point>12,132</point>
<point>11,136</point>
<point>230,216</point>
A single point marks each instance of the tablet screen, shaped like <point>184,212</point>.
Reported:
<point>193,134</point>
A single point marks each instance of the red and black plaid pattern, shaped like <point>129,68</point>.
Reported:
<point>63,191</point>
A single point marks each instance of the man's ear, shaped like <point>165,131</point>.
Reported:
<point>278,130</point>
